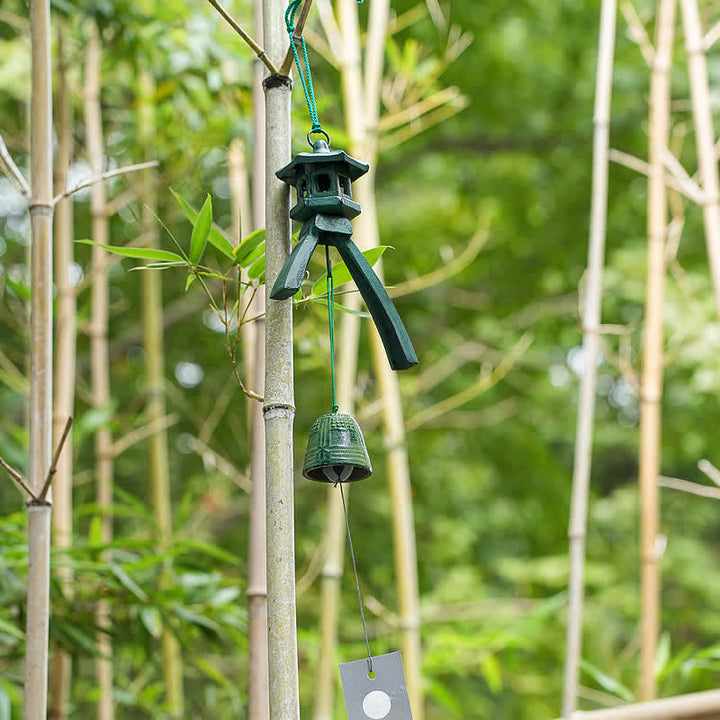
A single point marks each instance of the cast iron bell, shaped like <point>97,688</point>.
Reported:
<point>336,450</point>
<point>323,180</point>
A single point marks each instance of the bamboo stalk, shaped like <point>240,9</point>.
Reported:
<point>254,367</point>
<point>258,693</point>
<point>41,376</point>
<point>61,666</point>
<point>100,368</point>
<point>159,465</point>
<point>278,408</point>
<point>702,118</point>
<point>591,321</point>
<point>694,706</point>
<point>652,363</point>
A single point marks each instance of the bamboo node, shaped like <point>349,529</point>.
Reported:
<point>707,199</point>
<point>256,592</point>
<point>274,81</point>
<point>278,410</point>
<point>41,208</point>
<point>408,624</point>
<point>331,573</point>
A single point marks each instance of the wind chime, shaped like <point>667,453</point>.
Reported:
<point>374,687</point>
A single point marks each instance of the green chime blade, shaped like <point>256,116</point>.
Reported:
<point>292,274</point>
<point>394,336</point>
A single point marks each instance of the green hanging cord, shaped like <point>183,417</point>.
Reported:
<point>305,76</point>
<point>331,324</point>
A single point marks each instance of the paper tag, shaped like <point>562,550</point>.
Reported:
<point>383,697</point>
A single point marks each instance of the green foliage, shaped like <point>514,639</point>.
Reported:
<point>490,477</point>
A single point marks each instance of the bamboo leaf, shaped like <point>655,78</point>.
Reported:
<point>216,238</point>
<point>5,707</point>
<point>190,280</point>
<point>206,625</point>
<point>343,308</point>
<point>210,671</point>
<point>20,289</point>
<point>78,636</point>
<point>138,253</point>
<point>224,596</point>
<point>164,265</point>
<point>257,270</point>
<point>11,630</point>
<point>662,655</point>
<point>491,672</point>
<point>150,618</point>
<point>128,583</point>
<point>95,532</point>
<point>342,275</point>
<point>243,252</point>
<point>201,230</point>
<point>607,683</point>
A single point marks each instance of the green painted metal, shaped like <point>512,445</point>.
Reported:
<point>336,450</point>
<point>323,181</point>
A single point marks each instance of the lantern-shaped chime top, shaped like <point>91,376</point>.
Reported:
<point>323,181</point>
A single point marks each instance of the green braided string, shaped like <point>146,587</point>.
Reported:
<point>331,324</point>
<point>305,76</point>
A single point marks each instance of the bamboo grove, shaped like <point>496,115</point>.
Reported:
<point>542,206</point>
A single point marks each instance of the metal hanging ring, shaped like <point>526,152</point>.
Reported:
<point>317,132</point>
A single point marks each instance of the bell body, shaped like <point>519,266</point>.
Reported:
<point>336,450</point>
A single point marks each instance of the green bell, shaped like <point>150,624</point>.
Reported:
<point>336,450</point>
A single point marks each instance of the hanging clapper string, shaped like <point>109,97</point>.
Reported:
<point>357,582</point>
<point>331,327</point>
<point>331,324</point>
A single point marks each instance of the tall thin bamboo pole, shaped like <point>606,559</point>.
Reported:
<point>652,363</point>
<point>254,368</point>
<point>704,137</point>
<point>61,666</point>
<point>41,376</point>
<point>258,696</point>
<point>159,464</point>
<point>591,322</point>
<point>100,364</point>
<point>278,407</point>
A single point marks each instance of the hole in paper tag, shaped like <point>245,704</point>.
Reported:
<point>379,695</point>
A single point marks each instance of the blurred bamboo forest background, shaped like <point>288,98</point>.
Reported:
<point>483,194</point>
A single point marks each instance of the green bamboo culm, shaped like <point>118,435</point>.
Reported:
<point>306,74</point>
<point>331,326</point>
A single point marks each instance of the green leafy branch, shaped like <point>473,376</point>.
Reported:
<point>230,307</point>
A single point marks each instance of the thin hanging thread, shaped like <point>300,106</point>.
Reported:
<point>357,582</point>
<point>331,325</point>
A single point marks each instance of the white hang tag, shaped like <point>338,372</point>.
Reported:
<point>382,697</point>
